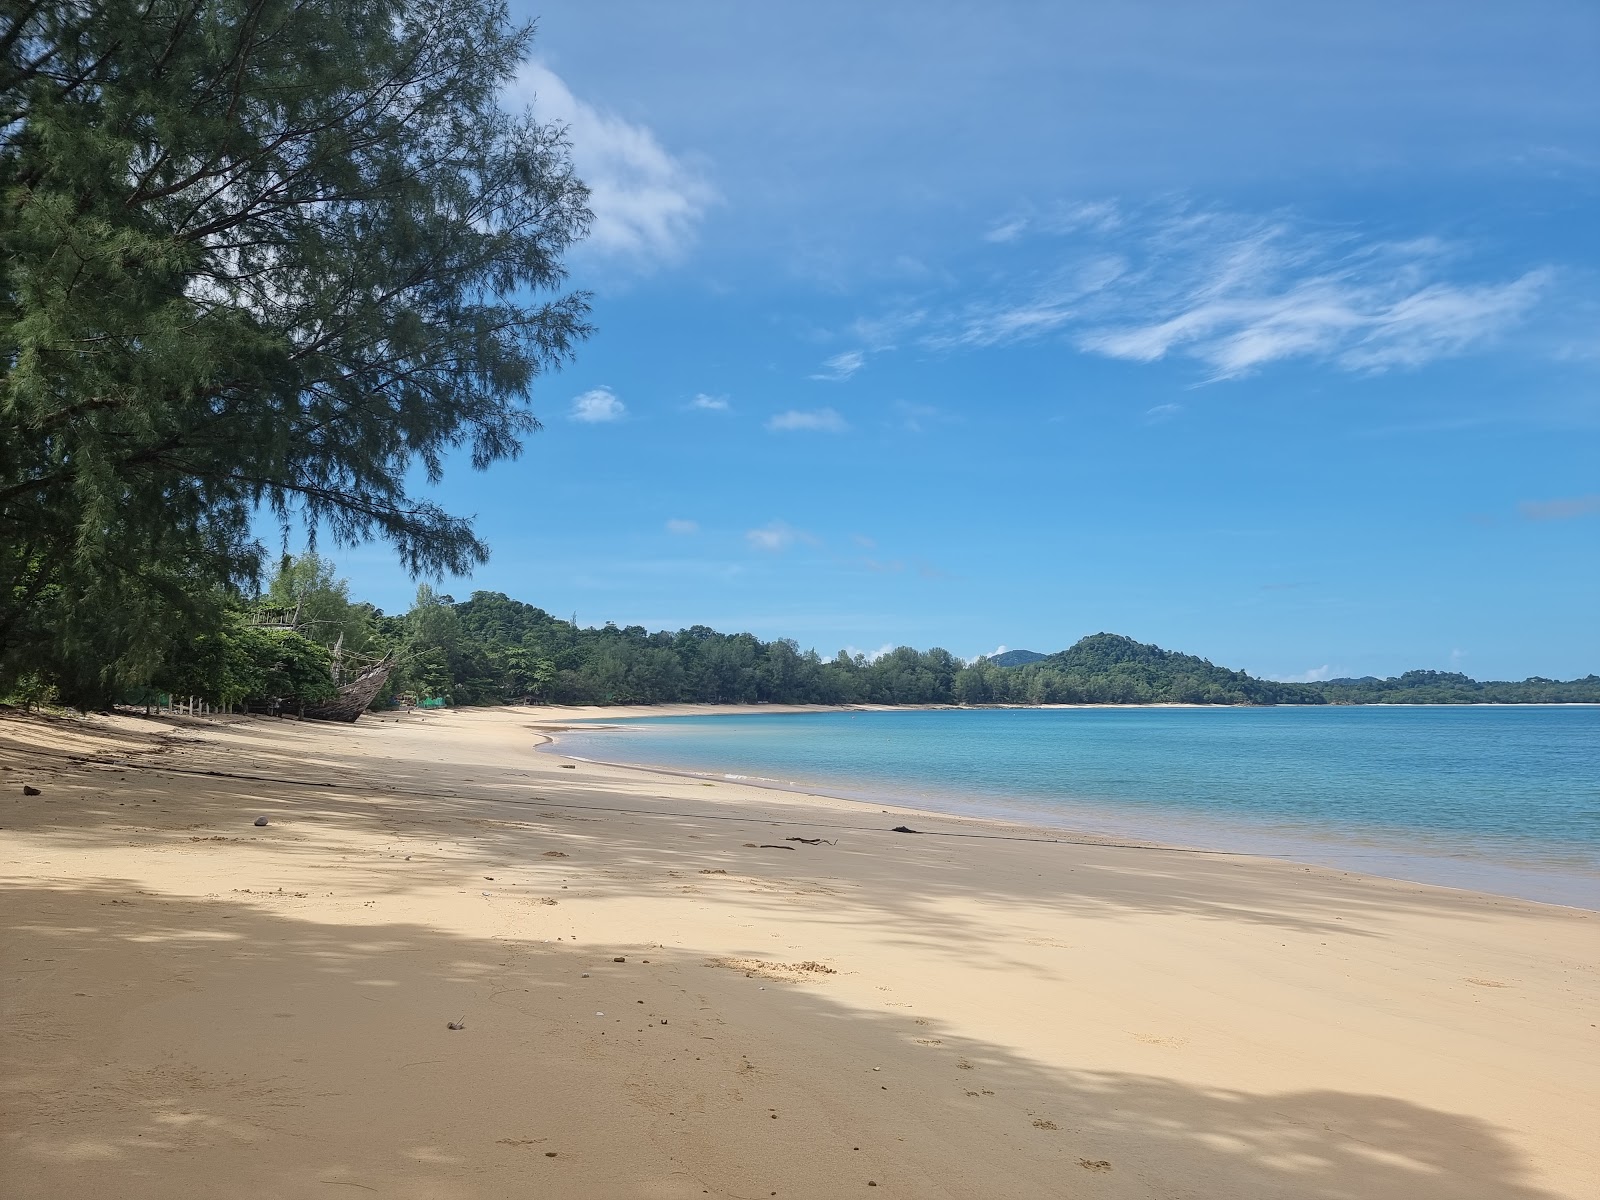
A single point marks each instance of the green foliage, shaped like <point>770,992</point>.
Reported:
<point>308,588</point>
<point>491,649</point>
<point>254,254</point>
<point>1442,687</point>
<point>239,663</point>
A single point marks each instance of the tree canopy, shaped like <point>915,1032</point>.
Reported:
<point>255,256</point>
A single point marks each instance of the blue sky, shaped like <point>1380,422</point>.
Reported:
<point>1265,332</point>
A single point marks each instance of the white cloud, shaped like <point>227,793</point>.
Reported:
<point>1008,230</point>
<point>1161,412</point>
<point>647,203</point>
<point>820,420</point>
<point>1314,675</point>
<point>870,655</point>
<point>596,406</point>
<point>1237,292</point>
<point>915,418</point>
<point>678,525</point>
<point>1100,215</point>
<point>841,366</point>
<point>705,403</point>
<point>777,536</point>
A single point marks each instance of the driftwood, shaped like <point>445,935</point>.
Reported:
<point>812,841</point>
<point>904,829</point>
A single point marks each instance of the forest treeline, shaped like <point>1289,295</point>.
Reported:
<point>491,649</point>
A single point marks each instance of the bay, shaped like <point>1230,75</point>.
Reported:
<point>1497,798</point>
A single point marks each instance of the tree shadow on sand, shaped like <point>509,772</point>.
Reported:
<point>165,1044</point>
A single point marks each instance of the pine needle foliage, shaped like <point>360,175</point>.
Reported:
<point>255,256</point>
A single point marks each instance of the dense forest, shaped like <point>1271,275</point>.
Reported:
<point>281,646</point>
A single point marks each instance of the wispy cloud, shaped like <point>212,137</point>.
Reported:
<point>681,527</point>
<point>820,420</point>
<point>705,403</point>
<point>1006,230</point>
<point>596,406</point>
<point>777,536</point>
<point>916,418</point>
<point>1314,675</point>
<point>1161,412</point>
<point>1098,215</point>
<point>841,366</point>
<point>647,202</point>
<point>1236,292</point>
<point>1561,510</point>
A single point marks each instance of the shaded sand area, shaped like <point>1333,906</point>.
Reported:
<point>664,997</point>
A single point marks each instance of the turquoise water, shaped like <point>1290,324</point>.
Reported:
<point>1504,799</point>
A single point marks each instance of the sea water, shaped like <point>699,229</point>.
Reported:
<point>1498,798</point>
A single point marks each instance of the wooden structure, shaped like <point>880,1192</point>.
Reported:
<point>354,695</point>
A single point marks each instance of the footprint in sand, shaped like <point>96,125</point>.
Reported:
<point>1156,1039</point>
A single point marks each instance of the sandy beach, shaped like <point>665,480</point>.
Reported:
<point>663,993</point>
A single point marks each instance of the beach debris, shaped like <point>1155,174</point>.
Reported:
<point>1097,1164</point>
<point>549,1153</point>
<point>771,846</point>
<point>569,766</point>
<point>813,841</point>
<point>31,791</point>
<point>781,971</point>
<point>555,853</point>
<point>1041,1123</point>
<point>904,829</point>
<point>663,1020</point>
<point>461,1024</point>
<point>712,871</point>
<point>751,846</point>
<point>599,1014</point>
<point>260,822</point>
<point>620,958</point>
<point>585,975</point>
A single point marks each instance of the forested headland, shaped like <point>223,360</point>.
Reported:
<point>490,649</point>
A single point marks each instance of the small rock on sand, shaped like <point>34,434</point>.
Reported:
<point>31,791</point>
<point>260,821</point>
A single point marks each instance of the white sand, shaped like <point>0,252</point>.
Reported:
<point>195,1007</point>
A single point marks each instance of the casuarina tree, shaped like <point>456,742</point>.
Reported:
<point>257,258</point>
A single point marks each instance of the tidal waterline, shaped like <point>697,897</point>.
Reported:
<point>1498,798</point>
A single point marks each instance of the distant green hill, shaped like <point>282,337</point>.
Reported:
<point>1107,668</point>
<point>1448,687</point>
<point>1016,658</point>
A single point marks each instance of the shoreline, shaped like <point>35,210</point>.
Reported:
<point>1328,849</point>
<point>674,987</point>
